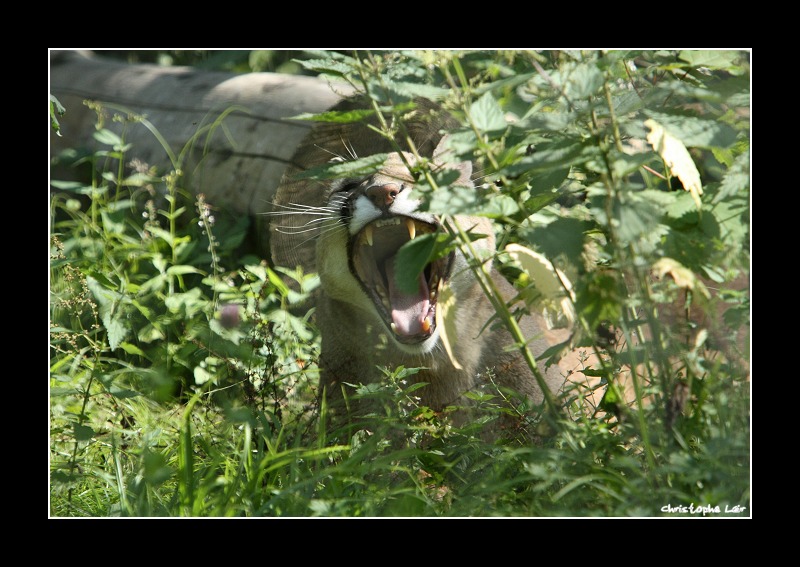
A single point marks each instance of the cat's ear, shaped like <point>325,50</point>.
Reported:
<point>444,155</point>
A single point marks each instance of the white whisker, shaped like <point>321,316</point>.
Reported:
<point>334,154</point>
<point>350,149</point>
<point>296,208</point>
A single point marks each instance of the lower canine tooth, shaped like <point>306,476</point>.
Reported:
<point>394,328</point>
<point>426,324</point>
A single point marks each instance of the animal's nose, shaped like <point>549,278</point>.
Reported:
<point>382,196</point>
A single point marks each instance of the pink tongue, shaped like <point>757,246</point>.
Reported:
<point>408,310</point>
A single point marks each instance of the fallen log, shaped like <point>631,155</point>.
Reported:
<point>237,166</point>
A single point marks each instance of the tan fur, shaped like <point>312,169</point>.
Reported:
<point>356,342</point>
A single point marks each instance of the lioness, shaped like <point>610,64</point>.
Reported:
<point>366,321</point>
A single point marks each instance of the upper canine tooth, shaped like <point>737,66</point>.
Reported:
<point>368,234</point>
<point>412,228</point>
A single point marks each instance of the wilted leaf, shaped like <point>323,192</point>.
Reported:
<point>682,275</point>
<point>556,289</point>
<point>677,158</point>
<point>695,132</point>
<point>446,322</point>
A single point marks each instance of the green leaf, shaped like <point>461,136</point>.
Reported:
<point>83,432</point>
<point>355,168</point>
<point>500,206</point>
<point>140,180</point>
<point>413,90</point>
<point>487,115</point>
<point>584,81</point>
<point>201,375</point>
<point>683,209</point>
<point>258,271</point>
<point>557,155</point>
<point>101,279</point>
<point>597,372</point>
<point>598,298</point>
<point>111,312</point>
<point>56,110</point>
<point>276,281</point>
<point>462,142</point>
<point>712,58</point>
<point>132,349</point>
<point>561,236</point>
<point>120,392</point>
<point>180,270</point>
<point>612,399</point>
<point>455,200</point>
<point>624,164</point>
<point>333,64</point>
<point>736,179</point>
<point>187,303</point>
<point>336,116</point>
<point>636,218</point>
<point>550,121</point>
<point>411,259</point>
<point>548,180</point>
<point>73,186</point>
<point>108,137</point>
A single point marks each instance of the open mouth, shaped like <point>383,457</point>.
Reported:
<point>410,316</point>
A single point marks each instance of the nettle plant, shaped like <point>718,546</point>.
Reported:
<point>151,303</point>
<point>625,173</point>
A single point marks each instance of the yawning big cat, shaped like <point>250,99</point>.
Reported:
<point>367,321</point>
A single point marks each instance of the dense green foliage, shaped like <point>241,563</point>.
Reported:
<point>182,384</point>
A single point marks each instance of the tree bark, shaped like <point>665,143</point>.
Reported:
<point>237,165</point>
